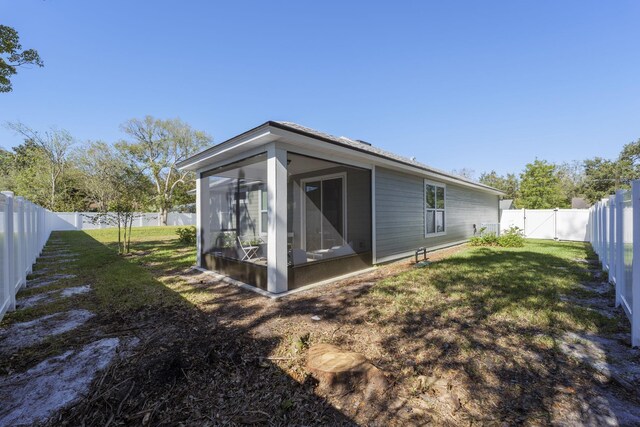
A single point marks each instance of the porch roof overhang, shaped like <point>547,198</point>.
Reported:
<point>341,149</point>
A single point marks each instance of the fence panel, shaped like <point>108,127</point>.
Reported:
<point>560,224</point>
<point>615,237</point>
<point>5,289</point>
<point>24,230</point>
<point>62,221</point>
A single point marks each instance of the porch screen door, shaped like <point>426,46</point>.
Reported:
<point>324,213</point>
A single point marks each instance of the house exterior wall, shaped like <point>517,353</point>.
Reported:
<point>400,214</point>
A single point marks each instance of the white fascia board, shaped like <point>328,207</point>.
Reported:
<point>228,149</point>
<point>215,162</point>
<point>364,159</point>
<point>321,152</point>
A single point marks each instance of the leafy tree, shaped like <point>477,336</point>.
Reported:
<point>571,175</point>
<point>12,56</point>
<point>6,165</point>
<point>540,187</point>
<point>603,177</point>
<point>156,147</point>
<point>508,184</point>
<point>629,160</point>
<point>118,188</point>
<point>45,153</point>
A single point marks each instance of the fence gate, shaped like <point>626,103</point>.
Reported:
<point>557,224</point>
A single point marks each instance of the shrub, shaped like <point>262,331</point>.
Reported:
<point>488,239</point>
<point>512,238</point>
<point>187,235</point>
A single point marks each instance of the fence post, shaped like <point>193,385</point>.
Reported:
<point>619,265</point>
<point>20,250</point>
<point>612,239</point>
<point>77,221</point>
<point>30,249</point>
<point>635,266</point>
<point>9,267</point>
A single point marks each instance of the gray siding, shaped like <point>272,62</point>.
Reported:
<point>400,213</point>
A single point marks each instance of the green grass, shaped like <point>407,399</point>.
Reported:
<point>120,283</point>
<point>520,287</point>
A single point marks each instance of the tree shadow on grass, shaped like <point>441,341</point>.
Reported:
<point>472,338</point>
<point>188,367</point>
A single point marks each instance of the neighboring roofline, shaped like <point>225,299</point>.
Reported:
<point>282,126</point>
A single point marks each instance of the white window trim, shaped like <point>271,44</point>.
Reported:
<point>424,205</point>
<point>303,221</point>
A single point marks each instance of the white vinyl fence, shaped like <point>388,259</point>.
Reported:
<point>558,224</point>
<point>615,229</point>
<point>24,230</point>
<point>86,220</point>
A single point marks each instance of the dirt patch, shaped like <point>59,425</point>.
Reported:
<point>35,395</point>
<point>26,334</point>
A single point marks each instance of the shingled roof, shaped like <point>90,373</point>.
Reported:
<point>368,148</point>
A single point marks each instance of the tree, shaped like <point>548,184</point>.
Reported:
<point>571,176</point>
<point>156,147</point>
<point>508,184</point>
<point>540,187</point>
<point>467,173</point>
<point>603,177</point>
<point>12,56</point>
<point>54,147</point>
<point>6,164</point>
<point>118,188</point>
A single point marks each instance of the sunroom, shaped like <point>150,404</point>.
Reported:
<point>276,215</point>
<point>281,207</point>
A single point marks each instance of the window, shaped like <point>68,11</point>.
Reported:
<point>434,206</point>
<point>263,212</point>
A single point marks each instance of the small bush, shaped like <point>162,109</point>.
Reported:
<point>488,239</point>
<point>187,235</point>
<point>511,238</point>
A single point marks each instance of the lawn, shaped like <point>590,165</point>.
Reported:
<point>470,339</point>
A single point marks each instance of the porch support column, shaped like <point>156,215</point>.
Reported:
<point>203,202</point>
<point>277,223</point>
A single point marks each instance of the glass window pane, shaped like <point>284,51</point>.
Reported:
<point>236,218</point>
<point>431,228</point>
<point>440,198</point>
<point>431,196</point>
<point>332,212</point>
<point>264,225</point>
<point>439,221</point>
<point>313,215</point>
<point>264,200</point>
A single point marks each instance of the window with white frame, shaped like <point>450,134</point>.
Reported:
<point>263,212</point>
<point>434,208</point>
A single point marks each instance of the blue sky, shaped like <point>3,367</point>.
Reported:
<point>458,84</point>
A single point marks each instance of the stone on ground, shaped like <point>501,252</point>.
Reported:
<point>52,255</point>
<point>339,372</point>
<point>35,395</point>
<point>48,280</point>
<point>27,334</point>
<point>47,297</point>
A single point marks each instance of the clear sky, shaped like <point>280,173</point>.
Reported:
<point>458,84</point>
